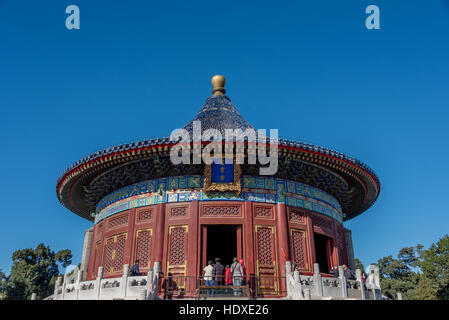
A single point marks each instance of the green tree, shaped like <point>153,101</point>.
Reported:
<point>33,271</point>
<point>425,290</point>
<point>435,268</point>
<point>398,275</point>
<point>359,265</point>
<point>3,282</point>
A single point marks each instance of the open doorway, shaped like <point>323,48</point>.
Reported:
<point>322,243</point>
<point>221,241</point>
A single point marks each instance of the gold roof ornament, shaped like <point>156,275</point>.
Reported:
<point>218,82</point>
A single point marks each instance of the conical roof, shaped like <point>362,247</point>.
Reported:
<point>83,184</point>
<point>219,113</point>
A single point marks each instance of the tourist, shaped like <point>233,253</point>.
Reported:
<point>294,266</point>
<point>364,278</point>
<point>228,277</point>
<point>349,275</point>
<point>237,274</point>
<point>135,269</point>
<point>218,272</point>
<point>334,271</point>
<point>208,275</point>
<point>169,286</point>
<point>244,271</point>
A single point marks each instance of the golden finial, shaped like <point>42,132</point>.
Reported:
<point>218,82</point>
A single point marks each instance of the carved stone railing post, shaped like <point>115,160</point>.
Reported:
<point>377,288</point>
<point>297,285</point>
<point>97,287</point>
<point>399,296</point>
<point>358,276</point>
<point>318,281</point>
<point>64,284</point>
<point>143,294</point>
<point>343,282</point>
<point>307,294</point>
<point>78,283</point>
<point>124,281</point>
<point>33,296</point>
<point>288,268</point>
<point>149,286</point>
<point>57,285</point>
<point>155,281</point>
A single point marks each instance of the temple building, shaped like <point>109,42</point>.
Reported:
<point>144,207</point>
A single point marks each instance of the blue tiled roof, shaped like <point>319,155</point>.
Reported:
<point>219,113</point>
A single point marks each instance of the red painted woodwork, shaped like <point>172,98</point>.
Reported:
<point>175,234</point>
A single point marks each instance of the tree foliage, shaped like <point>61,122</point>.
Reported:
<point>3,281</point>
<point>33,271</point>
<point>417,273</point>
<point>435,268</point>
<point>397,275</point>
<point>359,265</point>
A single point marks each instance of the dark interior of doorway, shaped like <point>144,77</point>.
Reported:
<point>321,252</point>
<point>221,243</point>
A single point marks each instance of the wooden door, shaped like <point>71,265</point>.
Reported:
<point>266,259</point>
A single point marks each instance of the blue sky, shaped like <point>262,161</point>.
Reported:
<point>311,69</point>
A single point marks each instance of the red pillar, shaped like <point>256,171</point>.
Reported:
<point>129,239</point>
<point>248,239</point>
<point>158,235</point>
<point>282,240</point>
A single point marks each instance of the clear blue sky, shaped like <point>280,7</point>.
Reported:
<point>311,69</point>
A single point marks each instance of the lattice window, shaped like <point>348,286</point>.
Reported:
<point>297,216</point>
<point>118,222</point>
<point>99,230</point>
<point>114,253</point>
<point>177,246</point>
<point>143,248</point>
<point>178,212</point>
<point>323,223</point>
<point>340,233</point>
<point>263,212</point>
<point>119,252</point>
<point>97,258</point>
<point>227,211</point>
<point>299,248</point>
<point>108,254</point>
<point>145,215</point>
<point>264,244</point>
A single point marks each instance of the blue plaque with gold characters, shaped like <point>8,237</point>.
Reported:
<point>222,177</point>
<point>222,173</point>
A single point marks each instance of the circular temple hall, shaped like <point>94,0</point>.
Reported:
<point>144,207</point>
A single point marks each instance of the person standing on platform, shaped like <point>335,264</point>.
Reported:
<point>218,273</point>
<point>135,269</point>
<point>349,274</point>
<point>334,271</point>
<point>237,274</point>
<point>228,276</point>
<point>242,263</point>
<point>208,275</point>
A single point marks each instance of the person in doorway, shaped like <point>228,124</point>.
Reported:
<point>218,272</point>
<point>228,276</point>
<point>135,269</point>
<point>244,271</point>
<point>207,276</point>
<point>237,274</point>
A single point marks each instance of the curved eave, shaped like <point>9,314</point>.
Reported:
<point>86,169</point>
